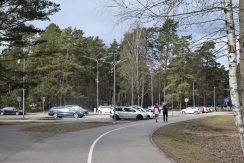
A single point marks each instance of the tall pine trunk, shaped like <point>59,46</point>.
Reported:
<point>230,28</point>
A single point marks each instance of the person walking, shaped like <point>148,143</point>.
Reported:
<point>165,112</point>
<point>156,111</point>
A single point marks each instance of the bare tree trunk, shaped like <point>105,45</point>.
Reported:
<point>142,92</point>
<point>164,91</point>
<point>151,87</point>
<point>137,66</point>
<point>132,90</point>
<point>241,20</point>
<point>233,70</point>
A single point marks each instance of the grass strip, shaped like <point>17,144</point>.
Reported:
<point>65,127</point>
<point>14,123</point>
<point>207,140</point>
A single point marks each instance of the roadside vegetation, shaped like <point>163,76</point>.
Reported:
<point>65,127</point>
<point>211,139</point>
<point>14,123</point>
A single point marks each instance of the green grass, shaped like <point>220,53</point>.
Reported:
<point>65,127</point>
<point>178,143</point>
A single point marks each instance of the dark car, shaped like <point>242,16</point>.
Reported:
<point>11,111</point>
<point>66,111</point>
<point>77,107</point>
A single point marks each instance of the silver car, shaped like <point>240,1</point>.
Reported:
<point>126,112</point>
<point>151,115</point>
<point>104,109</point>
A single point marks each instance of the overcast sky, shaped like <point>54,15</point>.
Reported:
<point>91,16</point>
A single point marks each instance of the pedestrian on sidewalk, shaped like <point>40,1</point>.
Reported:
<point>156,111</point>
<point>165,112</point>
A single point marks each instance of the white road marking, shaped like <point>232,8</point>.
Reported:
<point>89,160</point>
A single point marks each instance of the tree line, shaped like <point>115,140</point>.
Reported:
<point>159,65</point>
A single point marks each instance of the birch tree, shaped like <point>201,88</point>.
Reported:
<point>230,29</point>
<point>241,22</point>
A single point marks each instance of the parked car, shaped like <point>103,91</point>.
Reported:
<point>126,112</point>
<point>204,109</point>
<point>211,109</point>
<point>190,110</point>
<point>66,111</point>
<point>150,108</point>
<point>33,105</point>
<point>104,109</point>
<point>79,108</point>
<point>149,112</point>
<point>11,111</point>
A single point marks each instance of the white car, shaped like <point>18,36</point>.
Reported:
<point>149,112</point>
<point>104,109</point>
<point>190,110</point>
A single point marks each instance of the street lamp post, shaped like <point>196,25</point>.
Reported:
<point>19,99</point>
<point>172,98</point>
<point>193,94</point>
<point>114,63</point>
<point>214,100</point>
<point>23,90</point>
<point>114,84</point>
<point>43,104</point>
<point>97,81</point>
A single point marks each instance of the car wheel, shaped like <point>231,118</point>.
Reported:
<point>81,116</point>
<point>99,112</point>
<point>195,112</point>
<point>139,117</point>
<point>183,112</point>
<point>76,115</point>
<point>17,113</point>
<point>55,115</point>
<point>117,117</point>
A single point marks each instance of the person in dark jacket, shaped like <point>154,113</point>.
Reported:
<point>165,112</point>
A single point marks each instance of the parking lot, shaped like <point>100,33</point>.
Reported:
<point>44,117</point>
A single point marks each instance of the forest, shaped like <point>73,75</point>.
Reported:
<point>151,64</point>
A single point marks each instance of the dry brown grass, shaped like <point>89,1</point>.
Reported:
<point>208,140</point>
<point>65,127</point>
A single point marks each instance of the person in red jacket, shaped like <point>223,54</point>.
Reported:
<point>156,111</point>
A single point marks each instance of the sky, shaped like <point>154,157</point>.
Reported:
<point>91,16</point>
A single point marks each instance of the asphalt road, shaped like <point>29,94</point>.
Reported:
<point>120,143</point>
